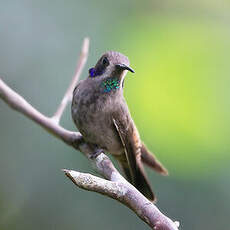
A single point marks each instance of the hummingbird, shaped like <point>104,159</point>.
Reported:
<point>101,114</point>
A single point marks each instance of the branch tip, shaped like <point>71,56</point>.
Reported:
<point>177,223</point>
<point>85,46</point>
<point>65,170</point>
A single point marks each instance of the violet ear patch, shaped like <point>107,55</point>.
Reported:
<point>92,72</point>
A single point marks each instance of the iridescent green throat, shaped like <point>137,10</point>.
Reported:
<point>110,84</point>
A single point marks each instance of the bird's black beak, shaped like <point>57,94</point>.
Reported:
<point>123,67</point>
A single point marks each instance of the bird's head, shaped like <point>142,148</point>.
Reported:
<point>110,70</point>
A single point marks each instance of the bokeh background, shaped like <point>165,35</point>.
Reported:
<point>179,99</point>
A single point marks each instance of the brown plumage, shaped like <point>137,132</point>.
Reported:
<point>151,161</point>
<point>101,114</point>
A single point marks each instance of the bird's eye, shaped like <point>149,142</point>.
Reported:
<point>105,61</point>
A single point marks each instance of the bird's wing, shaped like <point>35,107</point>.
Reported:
<point>132,146</point>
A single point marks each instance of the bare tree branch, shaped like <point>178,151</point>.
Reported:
<point>18,103</point>
<point>115,186</point>
<point>118,188</point>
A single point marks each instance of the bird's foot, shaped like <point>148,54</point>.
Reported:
<point>96,153</point>
<point>78,141</point>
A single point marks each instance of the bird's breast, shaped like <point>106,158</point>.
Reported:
<point>92,114</point>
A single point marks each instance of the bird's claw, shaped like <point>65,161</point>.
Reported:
<point>95,154</point>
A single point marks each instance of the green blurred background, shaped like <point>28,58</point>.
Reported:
<point>179,99</point>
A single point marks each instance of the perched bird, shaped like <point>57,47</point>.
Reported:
<point>101,114</point>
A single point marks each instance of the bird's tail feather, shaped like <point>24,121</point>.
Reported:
<point>139,179</point>
<point>150,160</point>
<point>142,183</point>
